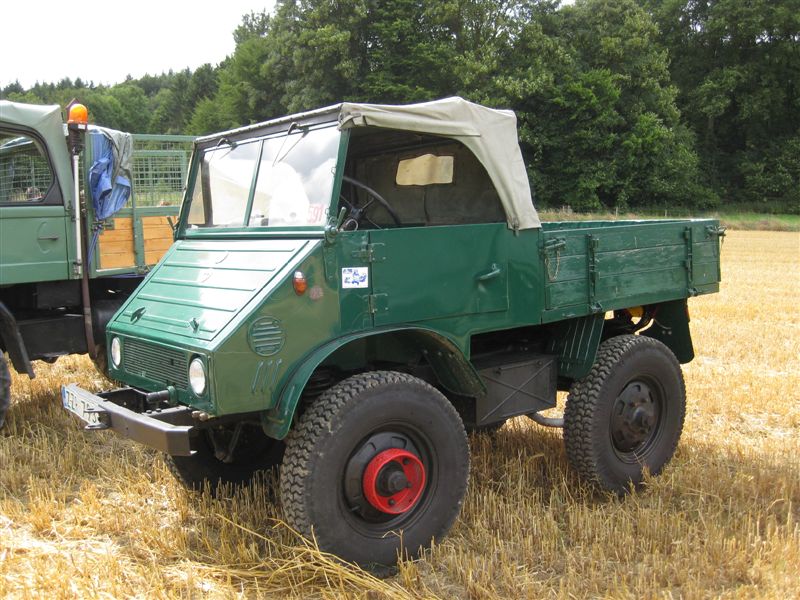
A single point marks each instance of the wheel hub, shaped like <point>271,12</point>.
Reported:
<point>393,481</point>
<point>634,417</point>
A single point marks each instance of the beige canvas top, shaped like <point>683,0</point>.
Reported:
<point>490,134</point>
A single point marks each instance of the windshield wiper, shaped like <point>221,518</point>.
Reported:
<point>223,140</point>
<point>292,127</point>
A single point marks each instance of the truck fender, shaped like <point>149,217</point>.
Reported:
<point>454,371</point>
<point>575,343</point>
<point>11,341</point>
<point>671,327</point>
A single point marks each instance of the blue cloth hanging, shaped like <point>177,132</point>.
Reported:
<point>109,181</point>
<point>110,189</point>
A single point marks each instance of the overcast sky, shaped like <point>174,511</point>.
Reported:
<point>45,41</point>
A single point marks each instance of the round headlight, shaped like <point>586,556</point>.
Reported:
<point>197,376</point>
<point>116,352</point>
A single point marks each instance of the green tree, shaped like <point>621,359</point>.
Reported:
<point>171,107</point>
<point>737,66</point>
<point>134,115</point>
<point>598,116</point>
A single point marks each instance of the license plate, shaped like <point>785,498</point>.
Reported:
<point>86,409</point>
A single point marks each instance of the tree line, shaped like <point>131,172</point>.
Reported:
<point>622,104</point>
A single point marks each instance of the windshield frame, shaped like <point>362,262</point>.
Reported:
<point>185,231</point>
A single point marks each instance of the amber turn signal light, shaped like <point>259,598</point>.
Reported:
<point>299,283</point>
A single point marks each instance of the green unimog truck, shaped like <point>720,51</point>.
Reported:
<point>351,288</point>
<point>71,251</point>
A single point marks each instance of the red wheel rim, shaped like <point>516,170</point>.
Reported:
<point>393,481</point>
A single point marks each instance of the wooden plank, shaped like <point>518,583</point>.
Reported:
<point>643,260</point>
<point>621,237</point>
<point>115,247</point>
<point>117,260</point>
<point>665,282</point>
<point>158,233</point>
<point>153,256</point>
<point>158,244</point>
<point>123,230</point>
<point>568,293</point>
<point>705,272</point>
<point>565,268</point>
<point>152,221</point>
<point>122,223</point>
<point>157,238</point>
<point>125,235</point>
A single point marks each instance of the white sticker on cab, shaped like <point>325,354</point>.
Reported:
<point>355,277</point>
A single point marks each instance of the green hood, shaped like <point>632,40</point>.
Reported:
<point>200,286</point>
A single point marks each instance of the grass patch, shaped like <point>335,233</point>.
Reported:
<point>92,515</point>
<point>744,221</point>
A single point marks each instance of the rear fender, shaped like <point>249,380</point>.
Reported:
<point>453,370</point>
<point>671,327</point>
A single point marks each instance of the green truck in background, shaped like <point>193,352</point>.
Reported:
<point>352,287</point>
<point>61,277</point>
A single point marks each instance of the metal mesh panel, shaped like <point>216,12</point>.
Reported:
<point>159,170</point>
<point>24,173</point>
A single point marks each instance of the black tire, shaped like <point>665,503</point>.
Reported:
<point>343,435</point>
<point>5,389</point>
<point>627,414</point>
<point>100,361</point>
<point>254,452</point>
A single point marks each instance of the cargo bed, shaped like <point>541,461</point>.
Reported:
<point>596,266</point>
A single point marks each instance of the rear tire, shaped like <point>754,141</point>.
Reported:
<point>253,453</point>
<point>5,389</point>
<point>625,417</point>
<point>375,468</point>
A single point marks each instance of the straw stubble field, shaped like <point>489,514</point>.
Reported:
<point>89,515</point>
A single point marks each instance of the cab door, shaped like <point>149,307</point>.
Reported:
<point>422,273</point>
<point>33,219</point>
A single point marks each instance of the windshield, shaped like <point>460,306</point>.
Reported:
<point>280,181</point>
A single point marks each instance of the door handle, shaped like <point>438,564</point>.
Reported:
<point>493,272</point>
<point>51,238</point>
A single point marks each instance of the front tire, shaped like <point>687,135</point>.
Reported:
<point>5,389</point>
<point>377,467</point>
<point>100,361</point>
<point>625,417</point>
<point>252,453</point>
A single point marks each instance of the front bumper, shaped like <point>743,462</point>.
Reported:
<point>126,412</point>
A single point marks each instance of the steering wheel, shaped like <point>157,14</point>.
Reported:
<point>357,213</point>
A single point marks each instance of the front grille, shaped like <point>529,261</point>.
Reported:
<point>157,363</point>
